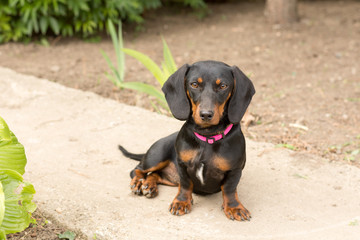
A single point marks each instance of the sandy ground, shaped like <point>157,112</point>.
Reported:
<point>82,180</point>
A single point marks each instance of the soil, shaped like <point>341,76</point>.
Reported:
<point>43,229</point>
<point>306,75</point>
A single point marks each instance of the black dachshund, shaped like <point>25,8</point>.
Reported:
<point>208,153</point>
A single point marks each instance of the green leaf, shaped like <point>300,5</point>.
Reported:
<point>145,88</point>
<point>115,78</point>
<point>355,152</point>
<point>54,24</point>
<point>43,25</point>
<point>67,235</point>
<point>2,234</point>
<point>120,54</point>
<point>169,60</point>
<point>5,135</point>
<point>355,222</point>
<point>34,20</point>
<point>44,42</point>
<point>2,204</point>
<point>18,204</point>
<point>148,63</point>
<point>12,153</point>
<point>84,6</point>
<point>108,61</point>
<point>286,145</point>
<point>117,41</point>
<point>165,70</point>
<point>16,196</point>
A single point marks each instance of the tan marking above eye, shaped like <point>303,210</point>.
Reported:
<point>200,80</point>
<point>218,81</point>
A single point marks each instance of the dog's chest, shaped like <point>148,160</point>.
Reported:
<point>203,168</point>
<point>200,173</point>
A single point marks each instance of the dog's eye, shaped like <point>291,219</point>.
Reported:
<point>194,85</point>
<point>223,86</point>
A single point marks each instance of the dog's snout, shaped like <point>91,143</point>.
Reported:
<point>206,115</point>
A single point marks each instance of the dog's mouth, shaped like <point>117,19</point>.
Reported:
<point>206,118</point>
<point>204,124</point>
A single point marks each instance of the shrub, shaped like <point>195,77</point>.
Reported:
<point>22,19</point>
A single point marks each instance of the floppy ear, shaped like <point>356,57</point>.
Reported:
<point>241,97</point>
<point>174,89</point>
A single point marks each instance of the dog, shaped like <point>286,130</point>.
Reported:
<point>208,154</point>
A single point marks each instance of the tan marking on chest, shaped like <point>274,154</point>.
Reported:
<point>188,155</point>
<point>221,163</point>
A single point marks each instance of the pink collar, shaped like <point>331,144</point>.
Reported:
<point>214,138</point>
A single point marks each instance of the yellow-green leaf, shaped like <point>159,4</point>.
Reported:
<point>168,58</point>
<point>148,63</point>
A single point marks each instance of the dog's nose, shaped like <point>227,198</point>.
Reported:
<point>206,115</point>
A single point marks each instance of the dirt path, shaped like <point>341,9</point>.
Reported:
<point>306,76</point>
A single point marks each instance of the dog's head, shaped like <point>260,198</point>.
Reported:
<point>208,91</point>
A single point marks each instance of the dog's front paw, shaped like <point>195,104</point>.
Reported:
<point>239,213</point>
<point>180,207</point>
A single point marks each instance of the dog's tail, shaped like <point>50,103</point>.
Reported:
<point>134,156</point>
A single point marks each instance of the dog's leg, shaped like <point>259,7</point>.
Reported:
<point>137,178</point>
<point>149,186</point>
<point>144,182</point>
<point>183,200</point>
<point>232,206</point>
<point>148,173</point>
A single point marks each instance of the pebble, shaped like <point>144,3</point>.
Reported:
<point>353,71</point>
<point>338,55</point>
<point>55,68</point>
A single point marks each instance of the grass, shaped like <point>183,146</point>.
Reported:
<point>349,149</point>
<point>286,145</point>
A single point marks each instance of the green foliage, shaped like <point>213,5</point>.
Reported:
<point>168,65</point>
<point>117,73</point>
<point>16,195</point>
<point>22,19</point>
<point>349,149</point>
<point>161,75</point>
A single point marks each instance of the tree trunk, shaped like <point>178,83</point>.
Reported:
<point>281,11</point>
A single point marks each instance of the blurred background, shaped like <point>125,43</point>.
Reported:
<point>303,57</point>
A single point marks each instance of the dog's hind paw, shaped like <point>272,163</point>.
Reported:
<point>136,184</point>
<point>149,188</point>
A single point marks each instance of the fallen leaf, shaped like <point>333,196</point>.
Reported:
<point>67,235</point>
